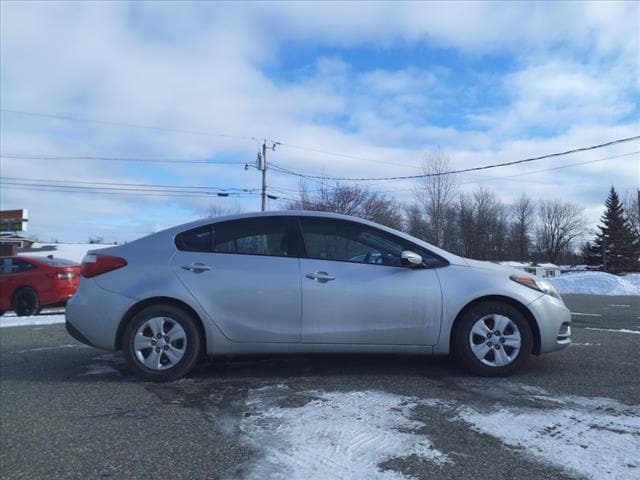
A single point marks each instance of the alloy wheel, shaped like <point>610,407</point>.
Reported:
<point>160,343</point>
<point>495,340</point>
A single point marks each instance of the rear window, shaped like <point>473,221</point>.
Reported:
<point>58,262</point>
<point>15,265</point>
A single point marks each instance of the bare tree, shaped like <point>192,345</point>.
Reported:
<point>351,200</point>
<point>523,216</point>
<point>559,223</point>
<point>632,208</point>
<point>436,194</point>
<point>415,223</point>
<point>217,210</point>
<point>465,223</point>
<point>490,225</point>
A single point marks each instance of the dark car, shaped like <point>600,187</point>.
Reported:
<point>29,283</point>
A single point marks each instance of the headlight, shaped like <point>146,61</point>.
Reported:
<point>536,284</point>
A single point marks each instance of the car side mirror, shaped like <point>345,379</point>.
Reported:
<point>411,259</point>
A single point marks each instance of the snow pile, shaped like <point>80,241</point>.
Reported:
<point>69,251</point>
<point>633,279</point>
<point>338,435</point>
<point>13,321</point>
<point>597,283</point>
<point>596,438</point>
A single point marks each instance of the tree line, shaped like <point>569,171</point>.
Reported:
<point>478,225</point>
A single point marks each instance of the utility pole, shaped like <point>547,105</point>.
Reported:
<point>262,166</point>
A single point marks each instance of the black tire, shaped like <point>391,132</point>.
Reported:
<point>171,316</point>
<point>484,312</point>
<point>26,302</point>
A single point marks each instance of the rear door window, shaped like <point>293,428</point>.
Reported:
<point>270,236</point>
<point>254,236</point>
<point>196,240</point>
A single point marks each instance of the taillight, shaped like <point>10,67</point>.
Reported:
<point>66,276</point>
<point>96,264</point>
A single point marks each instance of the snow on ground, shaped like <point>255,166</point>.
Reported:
<point>8,320</point>
<point>342,435</point>
<point>633,279</point>
<point>597,283</point>
<point>69,251</point>
<point>615,330</point>
<point>596,438</point>
<point>99,370</point>
<point>338,435</point>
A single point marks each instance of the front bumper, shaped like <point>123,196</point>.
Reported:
<point>554,322</point>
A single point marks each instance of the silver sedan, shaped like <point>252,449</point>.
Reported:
<point>296,282</point>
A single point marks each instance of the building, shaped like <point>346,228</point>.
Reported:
<point>550,270</point>
<point>542,270</point>
<point>11,243</point>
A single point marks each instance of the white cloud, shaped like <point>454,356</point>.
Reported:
<point>205,67</point>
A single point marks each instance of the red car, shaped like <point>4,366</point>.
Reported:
<point>29,283</point>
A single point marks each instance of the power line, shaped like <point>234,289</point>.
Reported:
<point>125,190</point>
<point>120,184</point>
<point>18,156</point>
<point>464,170</point>
<point>125,124</point>
<point>531,172</point>
<point>119,188</point>
<point>506,177</point>
<point>70,118</point>
<point>393,190</point>
<point>70,189</point>
<point>351,157</point>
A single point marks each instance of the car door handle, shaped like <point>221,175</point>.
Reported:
<point>321,277</point>
<point>197,267</point>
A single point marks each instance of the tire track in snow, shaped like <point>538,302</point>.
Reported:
<point>337,435</point>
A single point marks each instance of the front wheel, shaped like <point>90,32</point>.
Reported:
<point>492,339</point>
<point>162,343</point>
<point>26,302</point>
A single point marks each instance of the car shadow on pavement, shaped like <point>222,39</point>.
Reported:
<point>78,363</point>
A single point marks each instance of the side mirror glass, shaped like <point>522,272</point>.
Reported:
<point>411,259</point>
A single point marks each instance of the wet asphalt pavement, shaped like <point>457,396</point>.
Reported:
<point>70,411</point>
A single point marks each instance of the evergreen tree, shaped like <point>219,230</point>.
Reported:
<point>616,246</point>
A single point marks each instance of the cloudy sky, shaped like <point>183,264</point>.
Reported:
<point>182,95</point>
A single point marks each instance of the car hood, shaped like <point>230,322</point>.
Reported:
<point>495,267</point>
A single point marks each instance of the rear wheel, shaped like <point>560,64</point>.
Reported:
<point>493,339</point>
<point>162,343</point>
<point>26,302</point>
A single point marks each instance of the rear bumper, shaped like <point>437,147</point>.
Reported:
<point>554,323</point>
<point>75,333</point>
<point>93,315</point>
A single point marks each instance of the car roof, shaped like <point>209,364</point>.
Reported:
<point>276,213</point>
<point>452,258</point>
